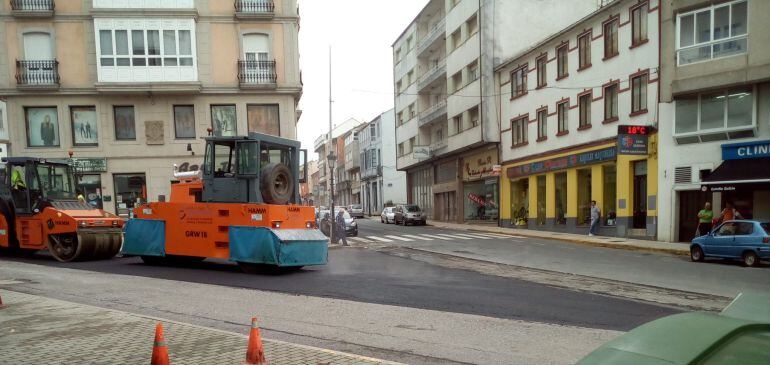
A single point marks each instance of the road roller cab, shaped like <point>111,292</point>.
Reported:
<point>242,206</point>
<point>39,209</point>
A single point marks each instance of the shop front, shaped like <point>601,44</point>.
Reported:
<point>89,173</point>
<point>480,187</point>
<point>553,192</point>
<point>742,179</point>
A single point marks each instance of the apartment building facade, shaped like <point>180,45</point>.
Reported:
<point>578,114</point>
<point>714,112</point>
<point>130,87</point>
<point>381,184</point>
<point>447,132</point>
<point>334,144</point>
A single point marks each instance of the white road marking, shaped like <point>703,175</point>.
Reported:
<point>379,239</point>
<point>475,236</point>
<point>358,239</point>
<point>437,236</point>
<point>453,236</point>
<point>400,238</point>
<point>500,235</point>
<point>418,237</point>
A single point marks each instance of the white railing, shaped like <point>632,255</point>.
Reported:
<point>432,35</point>
<point>430,75</point>
<point>432,112</point>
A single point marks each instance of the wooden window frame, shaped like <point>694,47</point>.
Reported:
<point>612,84</point>
<point>565,130</point>
<point>542,124</point>
<point>541,67</point>
<point>522,120</point>
<point>616,21</point>
<point>644,76</point>
<point>564,47</point>
<point>584,50</point>
<point>587,125</point>
<point>524,69</point>
<point>644,8</point>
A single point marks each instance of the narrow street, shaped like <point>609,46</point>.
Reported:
<point>394,289</point>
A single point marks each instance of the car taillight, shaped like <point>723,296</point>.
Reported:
<point>766,240</point>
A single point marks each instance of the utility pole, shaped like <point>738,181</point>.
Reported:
<point>331,157</point>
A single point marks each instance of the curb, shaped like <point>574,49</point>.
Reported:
<point>576,240</point>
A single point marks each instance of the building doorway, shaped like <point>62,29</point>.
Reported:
<point>91,185</point>
<point>446,206</point>
<point>640,195</point>
<point>690,203</point>
<point>130,191</point>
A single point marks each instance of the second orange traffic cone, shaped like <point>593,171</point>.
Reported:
<point>255,354</point>
<point>159,349</point>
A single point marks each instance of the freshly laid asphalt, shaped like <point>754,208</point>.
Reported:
<point>373,277</point>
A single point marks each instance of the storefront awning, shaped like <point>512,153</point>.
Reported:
<point>746,171</point>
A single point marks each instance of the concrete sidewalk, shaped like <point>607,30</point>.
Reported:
<point>598,241</point>
<point>39,330</point>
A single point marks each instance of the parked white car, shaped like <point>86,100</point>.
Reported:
<point>388,216</point>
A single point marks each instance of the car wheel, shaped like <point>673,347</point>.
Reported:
<point>750,259</point>
<point>382,220</point>
<point>696,254</point>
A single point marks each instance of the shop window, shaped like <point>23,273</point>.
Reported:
<point>42,126</point>
<point>480,201</point>
<point>584,197</point>
<point>541,200</point>
<point>561,198</point>
<point>91,186</point>
<point>130,191</point>
<point>184,121</point>
<point>609,197</point>
<point>520,201</point>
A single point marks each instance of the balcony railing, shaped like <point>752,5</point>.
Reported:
<point>254,6</point>
<point>432,36</point>
<point>33,5</point>
<point>435,146</point>
<point>431,75</point>
<point>257,73</point>
<point>432,113</point>
<point>37,72</point>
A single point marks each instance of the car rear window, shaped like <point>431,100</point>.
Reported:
<point>766,227</point>
<point>412,208</point>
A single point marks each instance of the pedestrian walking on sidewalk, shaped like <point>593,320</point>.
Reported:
<point>341,227</point>
<point>595,214</point>
<point>705,216</point>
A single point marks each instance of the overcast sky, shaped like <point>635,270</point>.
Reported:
<point>360,33</point>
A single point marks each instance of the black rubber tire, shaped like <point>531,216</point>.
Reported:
<point>382,220</point>
<point>276,184</point>
<point>696,254</point>
<point>750,259</point>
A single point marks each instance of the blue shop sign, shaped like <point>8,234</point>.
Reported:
<point>561,163</point>
<point>739,151</point>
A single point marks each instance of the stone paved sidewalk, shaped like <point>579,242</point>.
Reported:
<point>39,330</point>
<point>599,241</point>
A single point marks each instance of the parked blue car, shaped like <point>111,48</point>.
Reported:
<point>745,240</point>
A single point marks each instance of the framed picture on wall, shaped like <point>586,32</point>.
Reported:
<point>42,126</point>
<point>125,125</point>
<point>184,121</point>
<point>85,127</point>
<point>223,120</point>
<point>264,119</point>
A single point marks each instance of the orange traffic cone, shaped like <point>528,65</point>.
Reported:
<point>255,354</point>
<point>159,349</point>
